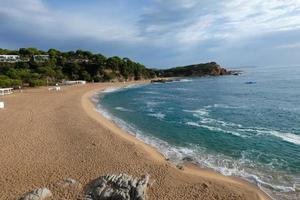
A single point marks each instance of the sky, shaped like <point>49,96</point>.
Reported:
<point>160,33</point>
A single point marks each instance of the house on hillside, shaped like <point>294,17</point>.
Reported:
<point>10,58</point>
<point>78,60</point>
<point>40,58</point>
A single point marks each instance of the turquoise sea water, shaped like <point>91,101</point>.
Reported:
<point>246,130</point>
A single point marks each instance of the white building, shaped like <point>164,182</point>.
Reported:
<point>5,91</point>
<point>78,82</point>
<point>10,58</point>
<point>40,58</point>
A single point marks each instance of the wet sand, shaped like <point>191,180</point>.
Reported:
<point>46,137</point>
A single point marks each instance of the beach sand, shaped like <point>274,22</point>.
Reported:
<point>46,137</point>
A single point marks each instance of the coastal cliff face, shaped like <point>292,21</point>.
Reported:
<point>205,69</point>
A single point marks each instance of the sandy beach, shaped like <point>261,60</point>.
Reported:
<point>46,137</point>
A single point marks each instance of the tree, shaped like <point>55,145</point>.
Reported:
<point>68,65</point>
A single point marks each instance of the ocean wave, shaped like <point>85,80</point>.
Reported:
<point>182,89</point>
<point>130,129</point>
<point>243,167</point>
<point>222,106</point>
<point>251,131</point>
<point>180,80</point>
<point>110,90</point>
<point>193,124</point>
<point>288,137</point>
<point>206,120</point>
<point>150,92</point>
<point>114,89</point>
<point>123,109</point>
<point>220,125</point>
<point>198,112</point>
<point>214,129</point>
<point>153,103</point>
<point>95,98</point>
<point>158,115</point>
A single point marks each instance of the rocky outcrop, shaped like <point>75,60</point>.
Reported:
<point>205,69</point>
<point>109,187</point>
<point>121,187</point>
<point>37,194</point>
<point>69,182</point>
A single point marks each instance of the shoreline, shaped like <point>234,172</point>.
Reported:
<point>47,137</point>
<point>156,156</point>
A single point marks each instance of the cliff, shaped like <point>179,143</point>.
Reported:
<point>205,69</point>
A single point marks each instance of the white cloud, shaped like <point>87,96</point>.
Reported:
<point>289,46</point>
<point>225,20</point>
<point>186,22</point>
<point>35,17</point>
<point>169,29</point>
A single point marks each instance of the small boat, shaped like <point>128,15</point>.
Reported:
<point>250,82</point>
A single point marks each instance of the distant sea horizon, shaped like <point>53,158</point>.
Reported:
<point>246,126</point>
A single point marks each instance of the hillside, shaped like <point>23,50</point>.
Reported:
<point>33,67</point>
<point>212,69</point>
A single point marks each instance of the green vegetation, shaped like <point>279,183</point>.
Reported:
<point>36,70</point>
<point>211,69</point>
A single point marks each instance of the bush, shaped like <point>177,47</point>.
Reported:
<point>36,82</point>
<point>7,82</point>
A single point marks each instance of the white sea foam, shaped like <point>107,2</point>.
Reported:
<point>158,115</point>
<point>216,124</point>
<point>198,112</point>
<point>207,120</point>
<point>288,137</point>
<point>193,124</point>
<point>121,123</point>
<point>181,89</point>
<point>123,109</point>
<point>180,80</point>
<point>150,92</point>
<point>152,104</point>
<point>114,89</point>
<point>214,129</point>
<point>109,90</point>
<point>243,167</point>
<point>95,98</point>
<point>222,106</point>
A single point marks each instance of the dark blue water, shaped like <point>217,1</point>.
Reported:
<point>246,130</point>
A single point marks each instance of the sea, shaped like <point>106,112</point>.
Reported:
<point>246,126</point>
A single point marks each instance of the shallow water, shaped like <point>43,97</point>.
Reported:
<point>246,130</point>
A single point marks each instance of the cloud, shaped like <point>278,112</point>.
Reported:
<point>35,17</point>
<point>233,19</point>
<point>289,46</point>
<point>157,32</point>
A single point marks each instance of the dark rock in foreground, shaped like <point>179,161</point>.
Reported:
<point>37,194</point>
<point>120,187</point>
